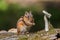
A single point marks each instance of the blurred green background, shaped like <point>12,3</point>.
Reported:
<point>11,12</point>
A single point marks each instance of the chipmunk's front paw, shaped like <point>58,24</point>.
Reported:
<point>33,23</point>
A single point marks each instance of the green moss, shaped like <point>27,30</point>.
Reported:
<point>23,37</point>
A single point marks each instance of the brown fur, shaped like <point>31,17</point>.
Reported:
<point>24,23</point>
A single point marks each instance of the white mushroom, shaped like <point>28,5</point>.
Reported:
<point>46,14</point>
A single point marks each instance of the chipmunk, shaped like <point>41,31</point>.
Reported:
<point>25,23</point>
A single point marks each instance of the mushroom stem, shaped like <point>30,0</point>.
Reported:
<point>46,23</point>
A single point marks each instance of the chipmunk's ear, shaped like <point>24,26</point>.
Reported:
<point>26,13</point>
<point>30,13</point>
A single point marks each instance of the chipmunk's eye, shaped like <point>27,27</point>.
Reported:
<point>28,16</point>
